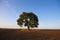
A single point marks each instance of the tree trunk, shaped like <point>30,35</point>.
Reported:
<point>28,28</point>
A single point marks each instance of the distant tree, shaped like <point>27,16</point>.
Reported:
<point>28,20</point>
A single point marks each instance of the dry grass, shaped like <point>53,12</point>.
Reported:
<point>24,34</point>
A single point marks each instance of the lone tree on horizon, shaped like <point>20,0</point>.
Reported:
<point>29,20</point>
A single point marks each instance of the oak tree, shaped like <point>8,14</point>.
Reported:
<point>29,20</point>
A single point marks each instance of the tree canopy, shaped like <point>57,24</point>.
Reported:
<point>28,19</point>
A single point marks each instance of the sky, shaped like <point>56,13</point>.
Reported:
<point>48,12</point>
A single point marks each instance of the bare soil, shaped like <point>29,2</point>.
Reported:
<point>24,34</point>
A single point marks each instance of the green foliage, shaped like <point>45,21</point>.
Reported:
<point>28,19</point>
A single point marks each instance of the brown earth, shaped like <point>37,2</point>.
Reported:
<point>24,34</point>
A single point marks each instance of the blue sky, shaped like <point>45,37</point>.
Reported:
<point>48,12</point>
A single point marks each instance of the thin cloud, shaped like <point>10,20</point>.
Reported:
<point>7,11</point>
<point>4,5</point>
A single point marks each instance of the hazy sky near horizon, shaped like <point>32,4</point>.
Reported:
<point>48,12</point>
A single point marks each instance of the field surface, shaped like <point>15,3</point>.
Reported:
<point>24,34</point>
